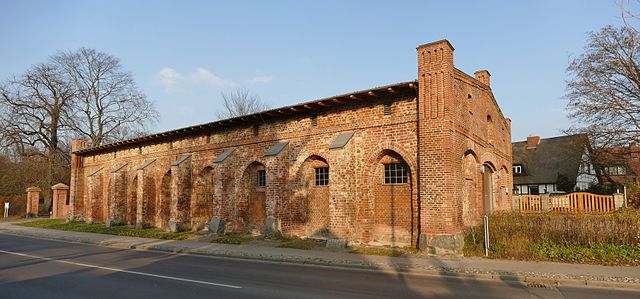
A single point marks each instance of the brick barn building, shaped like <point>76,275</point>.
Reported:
<point>408,164</point>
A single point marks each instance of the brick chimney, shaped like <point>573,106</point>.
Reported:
<point>533,141</point>
<point>484,77</point>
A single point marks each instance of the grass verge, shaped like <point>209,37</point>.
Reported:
<point>153,233</point>
<point>305,244</point>
<point>10,218</point>
<point>234,239</point>
<point>384,251</point>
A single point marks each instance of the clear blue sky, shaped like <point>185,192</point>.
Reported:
<point>184,53</point>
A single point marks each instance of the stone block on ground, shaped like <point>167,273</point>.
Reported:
<point>337,243</point>
<point>450,244</point>
<point>217,225</point>
<point>272,228</point>
<point>172,226</point>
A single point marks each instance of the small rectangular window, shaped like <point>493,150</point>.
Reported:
<point>256,130</point>
<point>615,170</point>
<point>314,120</point>
<point>387,109</point>
<point>262,178</point>
<point>622,170</point>
<point>322,176</point>
<point>517,169</point>
<point>395,173</point>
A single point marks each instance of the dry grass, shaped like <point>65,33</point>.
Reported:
<point>611,238</point>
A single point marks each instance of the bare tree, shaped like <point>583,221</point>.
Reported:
<point>34,106</point>
<point>75,93</point>
<point>240,102</point>
<point>603,91</point>
<point>108,105</point>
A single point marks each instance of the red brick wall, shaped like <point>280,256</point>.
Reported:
<point>431,128</point>
<point>458,116</point>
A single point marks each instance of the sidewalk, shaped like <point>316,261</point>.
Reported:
<point>547,273</point>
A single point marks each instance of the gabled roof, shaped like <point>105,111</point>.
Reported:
<point>551,158</point>
<point>306,107</point>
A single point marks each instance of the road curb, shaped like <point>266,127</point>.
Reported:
<point>489,275</point>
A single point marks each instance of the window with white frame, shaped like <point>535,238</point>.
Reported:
<point>396,173</point>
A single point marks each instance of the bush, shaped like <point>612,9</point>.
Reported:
<point>611,238</point>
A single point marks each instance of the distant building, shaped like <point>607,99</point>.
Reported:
<point>542,166</point>
<point>619,165</point>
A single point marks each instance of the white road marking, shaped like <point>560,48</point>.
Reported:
<point>122,270</point>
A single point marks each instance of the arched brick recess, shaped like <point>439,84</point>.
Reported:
<point>252,200</point>
<point>203,204</point>
<point>394,215</point>
<point>471,189</point>
<point>164,201</point>
<point>98,201</point>
<point>117,198</point>
<point>132,196</point>
<point>306,212</point>
<point>149,202</point>
<point>365,202</point>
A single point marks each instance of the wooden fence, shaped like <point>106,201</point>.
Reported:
<point>530,203</point>
<point>572,202</point>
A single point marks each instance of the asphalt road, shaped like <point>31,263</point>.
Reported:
<point>35,268</point>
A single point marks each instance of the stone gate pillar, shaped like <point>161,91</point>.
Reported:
<point>60,195</point>
<point>33,199</point>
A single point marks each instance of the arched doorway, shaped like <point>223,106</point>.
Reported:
<point>392,187</point>
<point>252,211</point>
<point>472,206</point>
<point>487,189</point>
